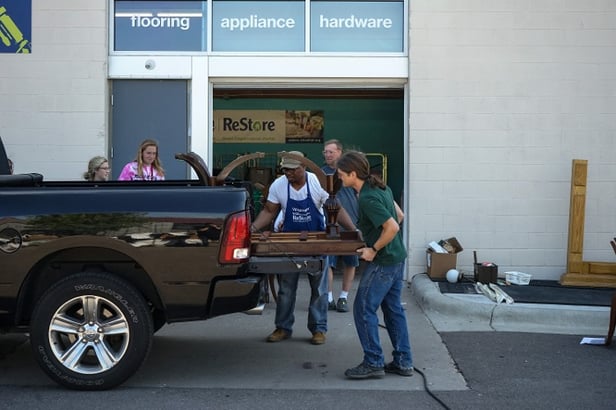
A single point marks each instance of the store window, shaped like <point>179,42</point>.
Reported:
<point>260,26</point>
<point>160,26</point>
<point>343,26</point>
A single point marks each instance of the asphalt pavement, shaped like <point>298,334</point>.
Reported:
<point>472,352</point>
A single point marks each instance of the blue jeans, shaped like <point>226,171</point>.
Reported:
<point>382,286</point>
<point>317,310</point>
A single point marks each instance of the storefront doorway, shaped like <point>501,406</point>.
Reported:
<point>369,120</point>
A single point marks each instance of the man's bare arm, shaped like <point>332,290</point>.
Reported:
<point>399,213</point>
<point>266,216</point>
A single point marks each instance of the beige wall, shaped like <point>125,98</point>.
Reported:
<point>53,105</point>
<point>504,94</point>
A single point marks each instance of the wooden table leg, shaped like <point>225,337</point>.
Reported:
<point>273,282</point>
<point>610,332</point>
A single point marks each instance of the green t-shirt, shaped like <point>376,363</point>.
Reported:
<point>376,206</point>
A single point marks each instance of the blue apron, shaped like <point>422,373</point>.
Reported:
<point>302,215</point>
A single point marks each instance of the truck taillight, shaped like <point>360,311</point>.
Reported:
<point>235,244</point>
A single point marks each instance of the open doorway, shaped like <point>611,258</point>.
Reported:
<point>368,120</point>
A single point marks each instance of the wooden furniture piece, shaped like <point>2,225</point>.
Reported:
<point>610,330</point>
<point>580,272</point>
<point>267,243</point>
<point>304,243</point>
<point>289,244</point>
<point>203,172</point>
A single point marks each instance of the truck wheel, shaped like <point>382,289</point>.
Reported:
<point>91,331</point>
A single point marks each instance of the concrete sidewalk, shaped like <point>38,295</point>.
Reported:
<point>464,312</point>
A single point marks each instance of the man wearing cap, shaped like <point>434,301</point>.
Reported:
<point>332,150</point>
<point>300,198</point>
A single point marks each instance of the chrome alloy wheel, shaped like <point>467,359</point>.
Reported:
<point>89,334</point>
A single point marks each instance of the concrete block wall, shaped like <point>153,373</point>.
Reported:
<point>53,102</point>
<point>503,96</point>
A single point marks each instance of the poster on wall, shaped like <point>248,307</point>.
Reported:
<point>15,26</point>
<point>269,126</point>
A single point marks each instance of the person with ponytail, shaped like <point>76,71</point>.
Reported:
<point>98,169</point>
<point>381,283</point>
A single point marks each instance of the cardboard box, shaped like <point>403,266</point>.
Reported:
<point>439,263</point>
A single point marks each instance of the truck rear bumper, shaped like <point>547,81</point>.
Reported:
<point>265,265</point>
<point>256,311</point>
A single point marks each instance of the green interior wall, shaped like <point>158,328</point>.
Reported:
<point>370,125</point>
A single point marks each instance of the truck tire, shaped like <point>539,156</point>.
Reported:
<point>91,331</point>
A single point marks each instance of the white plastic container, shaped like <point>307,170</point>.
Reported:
<point>517,278</point>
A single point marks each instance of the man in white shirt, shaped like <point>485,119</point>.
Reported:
<point>300,197</point>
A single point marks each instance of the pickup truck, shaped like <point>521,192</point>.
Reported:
<point>91,270</point>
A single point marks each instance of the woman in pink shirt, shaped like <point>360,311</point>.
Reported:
<point>146,167</point>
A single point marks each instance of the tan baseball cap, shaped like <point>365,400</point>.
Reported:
<point>288,162</point>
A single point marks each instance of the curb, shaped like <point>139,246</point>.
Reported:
<point>451,314</point>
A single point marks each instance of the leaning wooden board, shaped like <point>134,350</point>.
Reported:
<point>304,243</point>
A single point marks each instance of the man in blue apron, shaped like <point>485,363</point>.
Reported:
<point>300,198</point>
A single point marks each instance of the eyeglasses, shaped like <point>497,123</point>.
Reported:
<point>104,168</point>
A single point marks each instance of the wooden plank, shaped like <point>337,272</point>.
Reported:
<point>577,205</point>
<point>601,267</point>
<point>311,248</point>
<point>580,171</point>
<point>576,221</point>
<point>576,264</point>
<point>580,272</point>
<point>594,280</point>
<point>304,243</point>
<point>299,236</point>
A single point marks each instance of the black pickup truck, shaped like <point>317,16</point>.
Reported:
<point>92,270</point>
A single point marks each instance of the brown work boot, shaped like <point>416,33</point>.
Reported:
<point>278,335</point>
<point>318,338</point>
